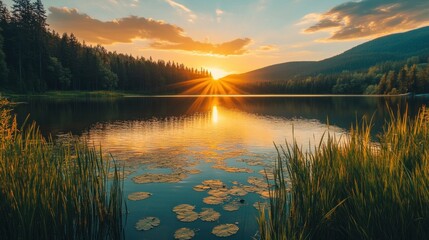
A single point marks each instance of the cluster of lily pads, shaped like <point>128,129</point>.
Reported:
<point>231,198</point>
<point>172,158</point>
<point>186,213</point>
<point>223,230</point>
<point>175,176</point>
<point>219,193</point>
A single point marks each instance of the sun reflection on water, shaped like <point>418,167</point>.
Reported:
<point>218,126</point>
<point>215,115</point>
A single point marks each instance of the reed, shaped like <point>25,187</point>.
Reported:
<point>354,188</point>
<point>55,191</point>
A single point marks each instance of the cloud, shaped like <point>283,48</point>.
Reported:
<point>161,35</point>
<point>309,19</point>
<point>369,18</point>
<point>268,48</point>
<point>219,13</point>
<point>183,8</point>
<point>234,47</point>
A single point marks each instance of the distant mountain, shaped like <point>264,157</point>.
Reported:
<point>388,48</point>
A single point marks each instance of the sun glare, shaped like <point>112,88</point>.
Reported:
<point>215,115</point>
<point>217,73</point>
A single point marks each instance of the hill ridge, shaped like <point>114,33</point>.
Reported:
<point>393,47</point>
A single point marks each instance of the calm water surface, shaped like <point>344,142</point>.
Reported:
<point>229,139</point>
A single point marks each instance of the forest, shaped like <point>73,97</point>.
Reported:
<point>390,77</point>
<point>34,59</point>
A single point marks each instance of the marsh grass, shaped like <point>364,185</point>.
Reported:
<point>354,188</point>
<point>55,191</point>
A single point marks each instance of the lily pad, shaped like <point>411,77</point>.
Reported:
<point>184,234</point>
<point>183,208</point>
<point>212,200</point>
<point>201,188</point>
<point>193,171</point>
<point>230,207</point>
<point>264,193</point>
<point>220,193</point>
<point>160,178</point>
<point>261,205</point>
<point>267,173</point>
<point>209,215</point>
<point>255,163</point>
<point>214,184</point>
<point>188,216</point>
<point>225,230</point>
<point>248,188</point>
<point>139,196</point>
<point>147,223</point>
<point>232,169</point>
<point>258,182</point>
<point>237,191</point>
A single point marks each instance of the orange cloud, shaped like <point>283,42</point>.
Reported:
<point>369,18</point>
<point>234,47</point>
<point>162,35</point>
<point>268,48</point>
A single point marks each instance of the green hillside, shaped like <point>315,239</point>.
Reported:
<point>393,47</point>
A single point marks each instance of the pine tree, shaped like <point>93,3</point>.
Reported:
<point>402,80</point>
<point>392,83</point>
<point>412,78</point>
<point>22,19</point>
<point>4,15</point>
<point>40,15</point>
<point>23,13</point>
<point>3,67</point>
<point>40,37</point>
<point>382,85</point>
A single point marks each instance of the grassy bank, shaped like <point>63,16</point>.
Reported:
<point>354,188</point>
<point>55,191</point>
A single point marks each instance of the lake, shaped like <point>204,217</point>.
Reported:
<point>170,145</point>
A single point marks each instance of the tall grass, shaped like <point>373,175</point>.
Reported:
<point>55,191</point>
<point>354,188</point>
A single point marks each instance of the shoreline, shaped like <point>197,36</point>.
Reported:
<point>124,94</point>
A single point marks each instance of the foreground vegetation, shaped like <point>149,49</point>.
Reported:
<point>55,191</point>
<point>354,188</point>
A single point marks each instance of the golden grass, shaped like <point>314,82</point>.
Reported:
<point>55,191</point>
<point>354,188</point>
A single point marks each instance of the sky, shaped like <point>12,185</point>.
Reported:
<point>233,36</point>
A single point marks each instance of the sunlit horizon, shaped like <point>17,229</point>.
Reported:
<point>217,73</point>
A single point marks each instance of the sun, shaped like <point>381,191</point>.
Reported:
<point>217,73</point>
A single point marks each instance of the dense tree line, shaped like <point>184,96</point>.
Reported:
<point>410,78</point>
<point>35,59</point>
<point>392,77</point>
